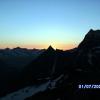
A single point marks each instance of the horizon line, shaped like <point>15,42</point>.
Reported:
<point>36,48</point>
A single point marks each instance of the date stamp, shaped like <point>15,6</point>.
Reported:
<point>89,86</point>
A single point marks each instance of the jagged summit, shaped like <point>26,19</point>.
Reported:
<point>50,48</point>
<point>93,34</point>
<point>92,39</point>
<point>91,30</point>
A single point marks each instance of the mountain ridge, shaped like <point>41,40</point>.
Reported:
<point>63,70</point>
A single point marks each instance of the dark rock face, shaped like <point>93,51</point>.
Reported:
<point>81,66</point>
<point>50,63</point>
<point>42,66</point>
<point>91,40</point>
<point>89,50</point>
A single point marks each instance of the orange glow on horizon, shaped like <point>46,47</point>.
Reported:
<point>43,46</point>
<point>68,46</point>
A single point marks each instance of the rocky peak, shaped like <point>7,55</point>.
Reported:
<point>92,39</point>
<point>93,34</point>
<point>50,48</point>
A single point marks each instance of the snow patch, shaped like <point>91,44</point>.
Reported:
<point>26,92</point>
<point>31,90</point>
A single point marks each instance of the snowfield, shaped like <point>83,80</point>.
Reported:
<point>26,92</point>
<point>31,90</point>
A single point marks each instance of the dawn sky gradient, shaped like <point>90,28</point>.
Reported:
<point>40,23</point>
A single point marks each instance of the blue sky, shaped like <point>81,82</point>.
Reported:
<point>40,23</point>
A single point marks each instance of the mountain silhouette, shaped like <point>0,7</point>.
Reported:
<point>81,66</point>
<point>62,71</point>
<point>89,51</point>
<point>42,66</point>
<point>92,39</point>
<point>51,63</point>
<point>50,48</point>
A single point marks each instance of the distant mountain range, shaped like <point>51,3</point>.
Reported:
<point>20,52</point>
<point>56,74</point>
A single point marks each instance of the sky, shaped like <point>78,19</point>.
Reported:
<point>40,23</point>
